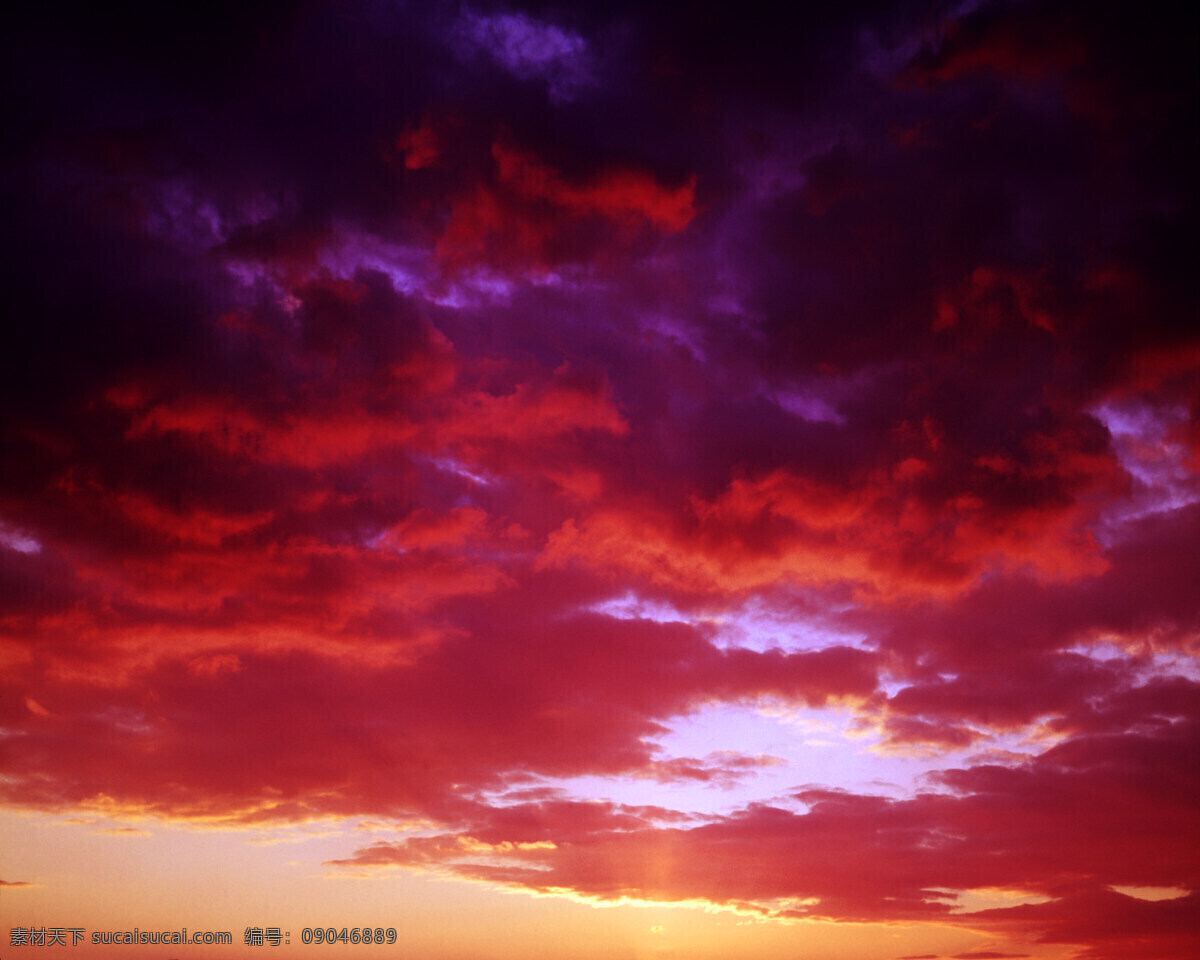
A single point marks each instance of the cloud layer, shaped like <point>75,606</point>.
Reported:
<point>362,358</point>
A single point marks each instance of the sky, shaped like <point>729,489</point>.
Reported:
<point>623,481</point>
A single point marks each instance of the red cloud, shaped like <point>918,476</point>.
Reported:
<point>534,216</point>
<point>1098,807</point>
<point>1027,45</point>
<point>331,421</point>
<point>906,731</point>
<point>570,401</point>
<point>622,195</point>
<point>420,146</point>
<point>495,698</point>
<point>874,533</point>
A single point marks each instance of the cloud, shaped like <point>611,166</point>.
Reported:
<point>478,708</point>
<point>359,369</point>
<point>1051,824</point>
<point>525,215</point>
<point>530,49</point>
<point>986,955</point>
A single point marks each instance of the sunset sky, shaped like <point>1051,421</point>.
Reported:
<point>602,481</point>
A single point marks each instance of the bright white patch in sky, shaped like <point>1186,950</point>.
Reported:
<point>632,607</point>
<point>761,626</point>
<point>755,626</point>
<point>1148,664</point>
<point>819,747</point>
